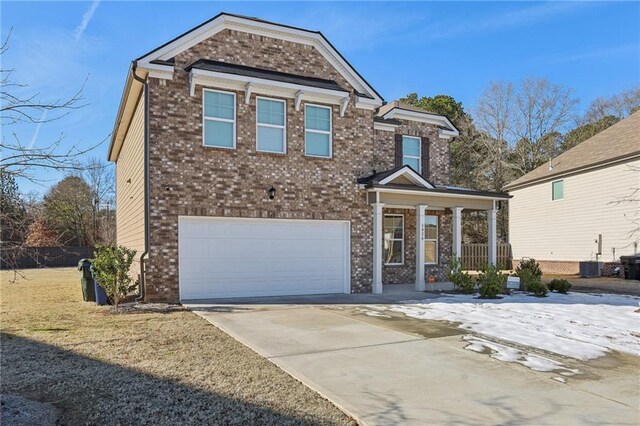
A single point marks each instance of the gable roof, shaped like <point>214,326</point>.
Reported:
<point>405,111</point>
<point>388,176</point>
<point>618,143</point>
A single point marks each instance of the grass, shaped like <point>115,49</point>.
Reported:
<point>146,368</point>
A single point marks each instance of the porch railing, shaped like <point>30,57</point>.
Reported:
<point>475,256</point>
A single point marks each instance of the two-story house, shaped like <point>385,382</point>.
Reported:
<point>253,160</point>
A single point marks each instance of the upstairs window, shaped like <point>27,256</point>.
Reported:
<point>219,127</point>
<point>271,131</point>
<point>411,152</point>
<point>431,240</point>
<point>317,131</point>
<point>557,190</point>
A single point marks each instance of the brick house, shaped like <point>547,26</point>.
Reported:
<point>252,159</point>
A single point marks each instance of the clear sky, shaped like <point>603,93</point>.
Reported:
<point>453,48</point>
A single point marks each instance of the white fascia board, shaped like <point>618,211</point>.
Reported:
<point>409,174</point>
<point>422,117</point>
<point>437,194</point>
<point>263,86</point>
<point>158,71</point>
<point>385,126</point>
<point>265,29</point>
<point>367,103</point>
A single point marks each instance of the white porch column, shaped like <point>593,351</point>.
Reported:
<point>493,239</point>
<point>457,231</point>
<point>377,247</point>
<point>420,222</point>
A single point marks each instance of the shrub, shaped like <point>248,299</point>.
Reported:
<point>537,288</point>
<point>462,281</point>
<point>490,282</point>
<point>111,266</point>
<point>529,272</point>
<point>559,285</point>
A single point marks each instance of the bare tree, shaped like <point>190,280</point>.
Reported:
<point>100,178</point>
<point>619,106</point>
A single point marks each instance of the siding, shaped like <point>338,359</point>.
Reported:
<point>566,230</point>
<point>130,196</point>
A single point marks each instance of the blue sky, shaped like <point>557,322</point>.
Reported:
<point>453,48</point>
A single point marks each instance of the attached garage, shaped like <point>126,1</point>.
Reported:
<point>239,257</point>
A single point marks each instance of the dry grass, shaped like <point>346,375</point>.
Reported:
<point>153,368</point>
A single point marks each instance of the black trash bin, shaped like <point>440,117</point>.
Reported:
<point>88,286</point>
<point>631,266</point>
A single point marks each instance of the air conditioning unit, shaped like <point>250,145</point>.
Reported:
<point>590,269</point>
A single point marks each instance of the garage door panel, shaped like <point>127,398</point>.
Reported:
<point>226,257</point>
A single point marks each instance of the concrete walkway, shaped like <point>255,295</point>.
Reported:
<point>407,371</point>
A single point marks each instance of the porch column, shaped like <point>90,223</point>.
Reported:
<point>457,231</point>
<point>420,222</point>
<point>377,247</point>
<point>493,240</point>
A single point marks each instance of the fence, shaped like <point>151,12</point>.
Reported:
<point>44,257</point>
<point>475,256</point>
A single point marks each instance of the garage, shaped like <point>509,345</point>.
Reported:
<point>240,257</point>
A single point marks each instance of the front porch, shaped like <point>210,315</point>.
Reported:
<point>417,227</point>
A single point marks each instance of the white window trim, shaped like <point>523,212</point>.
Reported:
<point>433,239</point>
<point>223,120</point>
<point>419,157</point>
<point>322,132</point>
<point>394,239</point>
<point>273,126</point>
<point>558,199</point>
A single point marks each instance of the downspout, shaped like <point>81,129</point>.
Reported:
<point>145,84</point>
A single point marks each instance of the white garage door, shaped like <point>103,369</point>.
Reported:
<point>225,257</point>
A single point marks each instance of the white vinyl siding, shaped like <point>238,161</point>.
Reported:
<point>219,119</point>
<point>271,119</point>
<point>566,231</point>
<point>411,152</point>
<point>431,240</point>
<point>393,239</point>
<point>317,131</point>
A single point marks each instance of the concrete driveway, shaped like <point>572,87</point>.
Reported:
<point>399,370</point>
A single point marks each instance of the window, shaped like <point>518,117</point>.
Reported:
<point>270,130</point>
<point>411,152</point>
<point>219,127</point>
<point>317,131</point>
<point>557,190</point>
<point>431,240</point>
<point>393,239</point>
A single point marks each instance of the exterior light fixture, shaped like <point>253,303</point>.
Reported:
<point>272,193</point>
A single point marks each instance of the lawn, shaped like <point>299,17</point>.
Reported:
<point>163,367</point>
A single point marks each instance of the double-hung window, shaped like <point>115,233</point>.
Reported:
<point>219,124</point>
<point>431,239</point>
<point>271,125</point>
<point>393,239</point>
<point>557,190</point>
<point>317,131</point>
<point>411,152</point>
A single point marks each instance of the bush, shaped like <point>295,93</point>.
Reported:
<point>491,282</point>
<point>529,272</point>
<point>559,285</point>
<point>111,266</point>
<point>537,288</point>
<point>462,281</point>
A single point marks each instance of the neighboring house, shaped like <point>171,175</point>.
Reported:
<point>559,209</point>
<point>252,160</point>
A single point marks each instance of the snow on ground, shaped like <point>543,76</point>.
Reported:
<point>577,325</point>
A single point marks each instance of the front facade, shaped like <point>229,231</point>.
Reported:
<point>581,206</point>
<point>266,165</point>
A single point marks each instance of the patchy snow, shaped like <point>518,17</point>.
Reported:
<point>577,325</point>
<point>509,354</point>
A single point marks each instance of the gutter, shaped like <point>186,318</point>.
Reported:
<point>145,83</point>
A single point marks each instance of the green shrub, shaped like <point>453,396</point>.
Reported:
<point>537,288</point>
<point>111,266</point>
<point>559,285</point>
<point>529,272</point>
<point>462,281</point>
<point>491,282</point>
